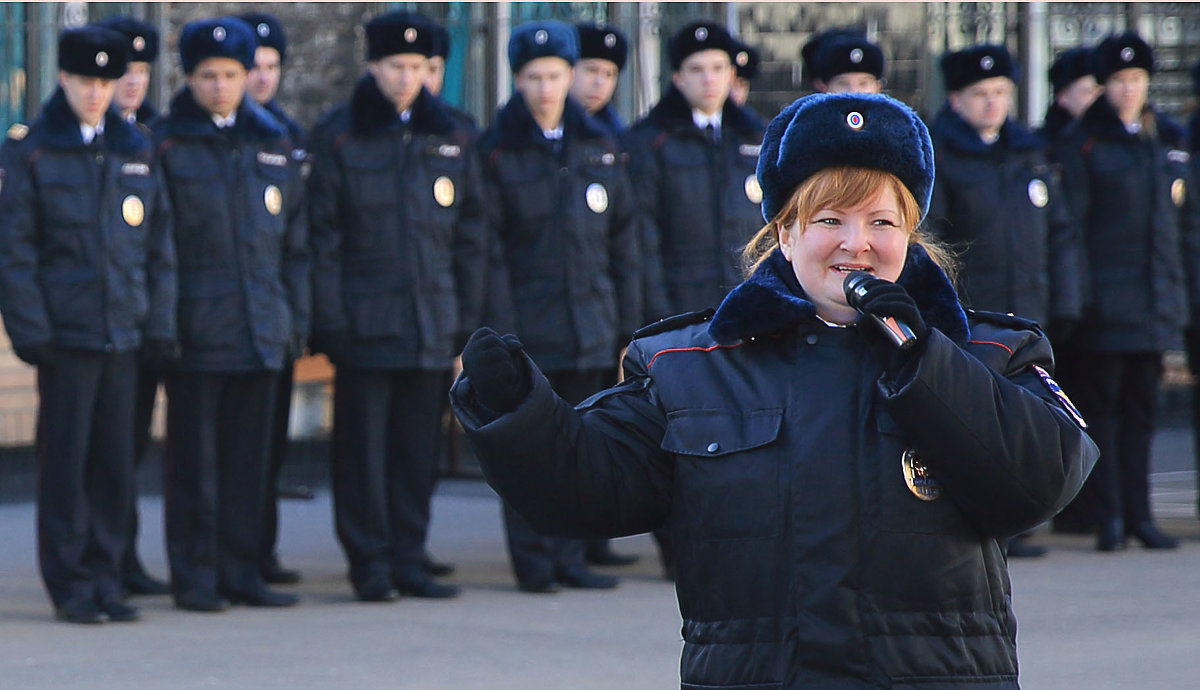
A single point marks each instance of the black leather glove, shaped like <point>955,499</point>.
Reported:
<point>37,355</point>
<point>496,369</point>
<point>336,345</point>
<point>157,352</point>
<point>883,299</point>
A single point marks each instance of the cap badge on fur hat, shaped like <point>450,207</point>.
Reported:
<point>410,35</point>
<point>101,59</point>
<point>856,55</point>
<point>701,34</point>
<point>139,43</point>
<point>610,40</point>
<point>219,33</point>
<point>541,37</point>
<point>742,58</point>
<point>263,30</point>
<point>854,120</point>
<point>986,62</point>
<point>1127,54</point>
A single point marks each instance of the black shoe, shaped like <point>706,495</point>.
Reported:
<point>140,582</point>
<point>202,601</point>
<point>275,574</point>
<point>1150,536</point>
<point>261,597</point>
<point>85,612</point>
<point>538,586</point>
<point>601,553</point>
<point>118,611</point>
<point>375,589</point>
<point>1019,547</point>
<point>1111,536</point>
<point>436,568</point>
<point>423,587</point>
<point>585,579</point>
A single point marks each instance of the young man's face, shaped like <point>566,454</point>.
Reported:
<point>705,78</point>
<point>89,97</point>
<point>595,82</point>
<point>984,104</point>
<point>1078,96</point>
<point>262,82</point>
<point>217,84</point>
<point>435,76</point>
<point>132,87</point>
<point>854,82</point>
<point>1126,90</point>
<point>400,77</point>
<point>544,83</point>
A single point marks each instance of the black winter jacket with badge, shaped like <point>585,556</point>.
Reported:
<point>566,267</point>
<point>241,232</point>
<point>699,202</point>
<point>1001,206</point>
<point>774,449</point>
<point>1134,199</point>
<point>398,231</point>
<point>87,257</point>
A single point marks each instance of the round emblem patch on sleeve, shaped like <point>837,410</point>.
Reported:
<point>443,191</point>
<point>753,189</point>
<point>1061,395</point>
<point>597,197</point>
<point>273,200</point>
<point>1178,192</point>
<point>133,211</point>
<point>1039,196</point>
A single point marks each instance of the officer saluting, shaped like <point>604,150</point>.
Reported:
<point>398,236</point>
<point>86,278</point>
<point>241,230</point>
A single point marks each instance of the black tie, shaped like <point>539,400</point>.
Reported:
<point>711,130</point>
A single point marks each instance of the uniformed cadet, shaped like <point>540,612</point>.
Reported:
<point>997,201</point>
<point>400,251</point>
<point>568,277</point>
<point>844,60</point>
<point>1125,174</point>
<point>87,277</point>
<point>241,231</point>
<point>262,84</point>
<point>692,164</point>
<point>1193,331</point>
<point>1075,89</point>
<point>602,54</point>
<point>435,76</point>
<point>130,101</point>
<point>746,60</point>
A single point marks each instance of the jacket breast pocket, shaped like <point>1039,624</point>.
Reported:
<point>370,181</point>
<point>727,479</point>
<point>66,196</point>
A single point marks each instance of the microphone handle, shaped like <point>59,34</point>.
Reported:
<point>897,331</point>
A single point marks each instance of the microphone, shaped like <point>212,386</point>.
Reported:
<point>897,331</point>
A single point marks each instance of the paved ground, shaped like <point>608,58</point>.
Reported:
<point>1087,620</point>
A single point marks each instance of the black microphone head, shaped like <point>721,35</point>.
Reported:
<point>854,286</point>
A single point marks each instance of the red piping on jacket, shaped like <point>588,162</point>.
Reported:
<point>690,349</point>
<point>990,342</point>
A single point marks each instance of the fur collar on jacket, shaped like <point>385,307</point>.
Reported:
<point>1101,121</point>
<point>772,300</point>
<point>514,126</point>
<point>187,119</point>
<point>372,112</point>
<point>674,113</point>
<point>950,130</point>
<point>610,120</point>
<point>60,128</point>
<point>1056,120</point>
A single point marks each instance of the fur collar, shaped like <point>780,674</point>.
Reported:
<point>1101,121</point>
<point>515,128</point>
<point>146,114</point>
<point>294,130</point>
<point>772,300</point>
<point>187,119</point>
<point>610,120</point>
<point>60,128</point>
<point>674,113</point>
<point>950,130</point>
<point>371,111</point>
<point>1056,120</point>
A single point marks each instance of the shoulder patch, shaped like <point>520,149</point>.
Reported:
<point>18,131</point>
<point>1061,396</point>
<point>673,322</point>
<point>1006,320</point>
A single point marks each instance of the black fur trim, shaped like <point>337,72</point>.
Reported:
<point>949,129</point>
<point>60,128</point>
<point>371,111</point>
<point>1101,121</point>
<point>188,119</point>
<point>515,128</point>
<point>673,113</point>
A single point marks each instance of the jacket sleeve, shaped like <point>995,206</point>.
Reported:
<point>471,250</point>
<point>596,471</point>
<point>644,177</point>
<point>297,259</point>
<point>1189,229</point>
<point>162,277</point>
<point>499,310</point>
<point>625,258</point>
<point>1068,156</point>
<point>21,300</point>
<point>1066,254</point>
<point>1006,448</point>
<point>325,233</point>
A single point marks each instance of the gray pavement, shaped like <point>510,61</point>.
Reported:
<point>1087,620</point>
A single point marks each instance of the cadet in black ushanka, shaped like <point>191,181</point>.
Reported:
<point>837,501</point>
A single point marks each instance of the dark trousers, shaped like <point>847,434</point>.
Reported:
<point>279,447</point>
<point>143,415</point>
<point>218,438</point>
<point>1119,399</point>
<point>537,558</point>
<point>1083,512</point>
<point>85,472</point>
<point>387,431</point>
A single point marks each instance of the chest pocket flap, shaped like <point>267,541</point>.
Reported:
<point>719,432</point>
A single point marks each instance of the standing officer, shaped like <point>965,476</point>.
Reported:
<point>87,277</point>
<point>844,61</point>
<point>1193,331</point>
<point>262,83</point>
<point>692,161</point>
<point>997,199</point>
<point>602,54</point>
<point>746,60</point>
<point>399,244</point>
<point>1075,89</point>
<point>1125,173</point>
<point>435,75</point>
<point>240,228</point>
<point>130,101</point>
<point>568,279</point>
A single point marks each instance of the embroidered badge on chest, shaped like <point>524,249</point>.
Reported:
<point>918,478</point>
<point>1039,196</point>
<point>443,191</point>
<point>597,197</point>
<point>273,200</point>
<point>754,191</point>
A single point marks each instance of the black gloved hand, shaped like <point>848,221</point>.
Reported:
<point>496,369</point>
<point>884,299</point>
<point>336,345</point>
<point>37,355</point>
<point>156,352</point>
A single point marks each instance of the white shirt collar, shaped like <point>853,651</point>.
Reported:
<point>223,122</point>
<point>89,132</point>
<point>1133,127</point>
<point>406,115</point>
<point>703,120</point>
<point>553,134</point>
